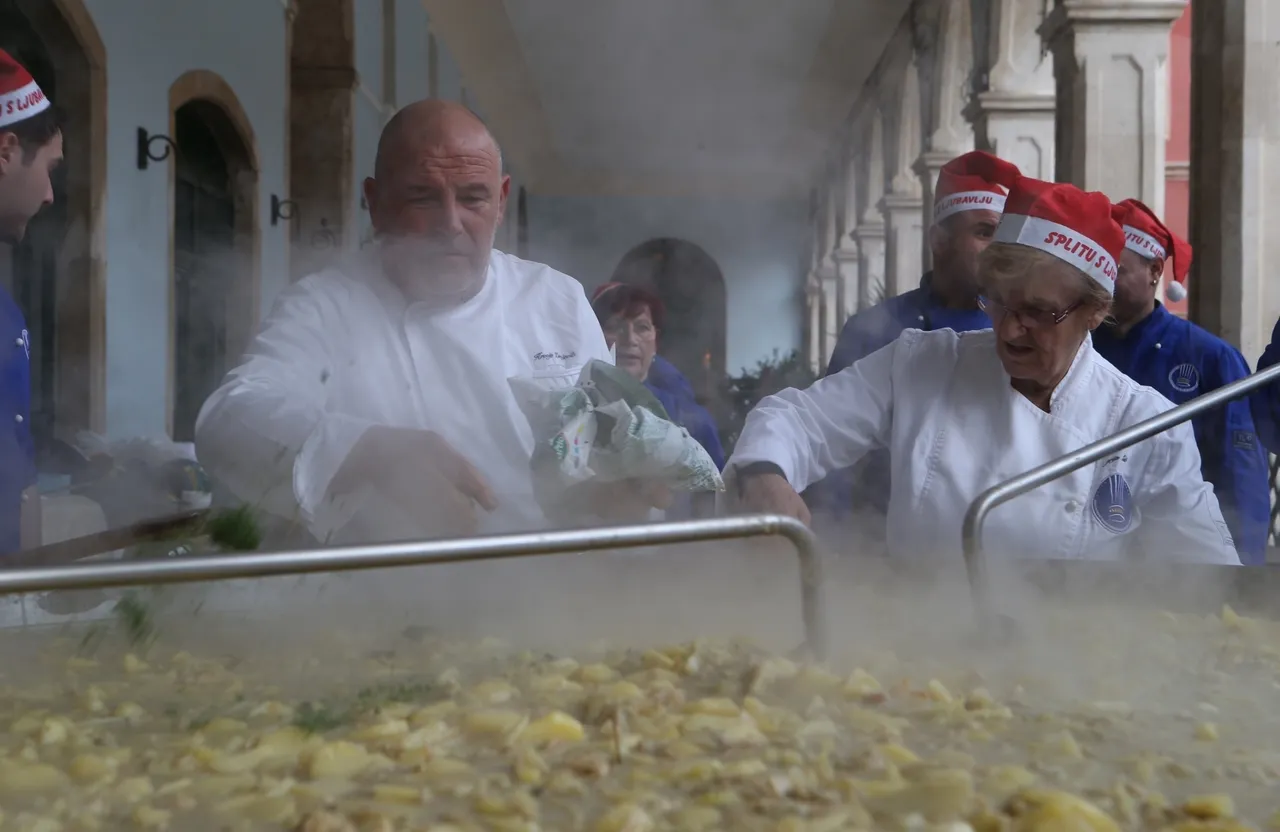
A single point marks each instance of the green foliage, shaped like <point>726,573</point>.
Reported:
<point>235,530</point>
<point>743,392</point>
<point>135,619</point>
<point>230,530</point>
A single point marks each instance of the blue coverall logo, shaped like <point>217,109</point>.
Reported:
<point>1113,504</point>
<point>1184,378</point>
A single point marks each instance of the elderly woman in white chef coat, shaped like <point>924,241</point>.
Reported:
<point>961,412</point>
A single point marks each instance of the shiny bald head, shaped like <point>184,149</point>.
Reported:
<point>436,200</point>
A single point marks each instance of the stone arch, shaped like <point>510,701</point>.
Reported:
<point>58,274</point>
<point>215,241</point>
<point>691,286</point>
<point>322,85</point>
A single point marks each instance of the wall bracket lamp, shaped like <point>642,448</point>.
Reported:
<point>146,155</point>
<point>281,209</point>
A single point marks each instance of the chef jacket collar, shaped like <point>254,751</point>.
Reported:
<point>1152,323</point>
<point>366,267</point>
<point>1066,390</point>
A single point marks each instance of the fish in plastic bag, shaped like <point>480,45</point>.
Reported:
<point>608,427</point>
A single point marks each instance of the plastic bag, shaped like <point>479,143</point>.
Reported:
<point>607,428</point>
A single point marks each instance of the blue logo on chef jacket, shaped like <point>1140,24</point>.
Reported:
<point>1113,504</point>
<point>1184,378</point>
<point>25,340</point>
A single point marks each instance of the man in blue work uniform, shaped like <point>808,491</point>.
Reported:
<point>1265,403</point>
<point>30,148</point>
<point>968,201</point>
<point>1181,360</point>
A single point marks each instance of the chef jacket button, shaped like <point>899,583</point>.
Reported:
<point>1072,506</point>
<point>920,318</point>
<point>18,342</point>
<point>1157,345</point>
<point>18,418</point>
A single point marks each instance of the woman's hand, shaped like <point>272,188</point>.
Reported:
<point>772,494</point>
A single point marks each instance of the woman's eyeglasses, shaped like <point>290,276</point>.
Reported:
<point>1029,317</point>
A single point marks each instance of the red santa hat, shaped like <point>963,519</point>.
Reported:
<point>1145,234</point>
<point>976,181</point>
<point>20,96</point>
<point>1068,223</point>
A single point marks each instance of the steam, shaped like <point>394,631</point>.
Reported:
<point>1075,634</point>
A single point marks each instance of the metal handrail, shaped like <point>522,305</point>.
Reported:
<point>101,575</point>
<point>976,516</point>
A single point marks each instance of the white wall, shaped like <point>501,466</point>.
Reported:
<point>149,45</point>
<point>754,243</point>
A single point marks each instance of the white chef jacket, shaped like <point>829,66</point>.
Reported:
<point>343,351</point>
<point>942,404</point>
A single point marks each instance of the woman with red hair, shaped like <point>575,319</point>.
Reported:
<point>631,318</point>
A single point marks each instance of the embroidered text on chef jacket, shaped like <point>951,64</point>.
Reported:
<point>341,353</point>
<point>1184,361</point>
<point>941,404</point>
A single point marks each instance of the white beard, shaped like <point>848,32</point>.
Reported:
<point>457,294</point>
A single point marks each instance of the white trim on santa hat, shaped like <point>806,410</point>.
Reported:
<point>967,201</point>
<point>1143,243</point>
<point>1062,242</point>
<point>22,104</point>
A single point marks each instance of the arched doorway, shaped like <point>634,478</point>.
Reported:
<point>55,274</point>
<point>322,85</point>
<point>215,243</point>
<point>691,287</point>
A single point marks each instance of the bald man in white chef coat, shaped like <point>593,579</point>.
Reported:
<point>376,402</point>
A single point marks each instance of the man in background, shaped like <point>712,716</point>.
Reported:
<point>968,202</point>
<point>30,149</point>
<point>1157,348</point>
<point>376,400</point>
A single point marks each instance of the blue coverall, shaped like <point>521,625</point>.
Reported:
<point>677,396</point>
<point>17,450</point>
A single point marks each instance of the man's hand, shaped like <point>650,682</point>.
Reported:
<point>422,474</point>
<point>626,501</point>
<point>772,494</point>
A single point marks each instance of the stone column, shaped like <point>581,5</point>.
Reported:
<point>322,89</point>
<point>943,43</point>
<point>845,256</point>
<point>871,261</point>
<point>813,340</point>
<point>904,231</point>
<point>1013,103</point>
<point>1111,71</point>
<point>1235,170</point>
<point>830,311</point>
<point>846,260</point>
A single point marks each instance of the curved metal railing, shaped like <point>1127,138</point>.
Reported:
<point>101,575</point>
<point>976,516</point>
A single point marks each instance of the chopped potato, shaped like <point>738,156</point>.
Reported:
<point>689,738</point>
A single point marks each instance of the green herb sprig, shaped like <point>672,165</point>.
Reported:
<point>319,718</point>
